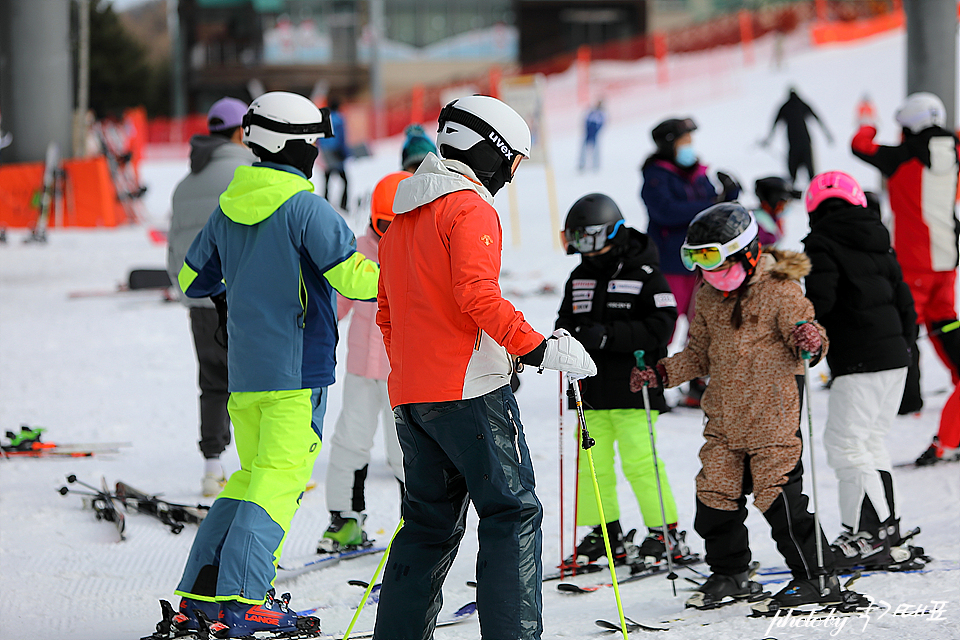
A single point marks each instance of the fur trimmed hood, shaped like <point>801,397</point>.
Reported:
<point>781,264</point>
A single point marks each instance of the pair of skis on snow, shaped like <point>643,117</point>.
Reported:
<point>107,505</point>
<point>28,443</point>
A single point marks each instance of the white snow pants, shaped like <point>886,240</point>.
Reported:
<point>862,408</point>
<point>365,401</point>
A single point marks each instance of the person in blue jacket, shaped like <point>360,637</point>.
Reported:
<point>335,152</point>
<point>273,255</point>
<point>592,125</point>
<point>675,189</point>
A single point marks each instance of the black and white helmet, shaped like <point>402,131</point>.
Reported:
<point>279,116</point>
<point>486,135</point>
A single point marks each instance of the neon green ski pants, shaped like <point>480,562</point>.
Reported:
<point>235,553</point>
<point>627,428</point>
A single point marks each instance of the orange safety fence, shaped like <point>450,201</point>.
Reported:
<point>847,31</point>
<point>86,196</point>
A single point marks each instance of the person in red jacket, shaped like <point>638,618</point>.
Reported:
<point>452,341</point>
<point>922,173</point>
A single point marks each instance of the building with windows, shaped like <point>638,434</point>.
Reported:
<point>321,46</point>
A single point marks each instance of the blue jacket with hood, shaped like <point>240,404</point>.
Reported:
<point>280,252</point>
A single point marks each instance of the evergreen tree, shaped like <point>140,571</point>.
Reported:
<point>120,76</point>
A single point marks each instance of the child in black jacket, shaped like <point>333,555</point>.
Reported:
<point>616,302</point>
<point>860,298</point>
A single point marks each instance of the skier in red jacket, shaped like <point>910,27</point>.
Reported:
<point>922,173</point>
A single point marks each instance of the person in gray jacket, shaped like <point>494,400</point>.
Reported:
<point>213,159</point>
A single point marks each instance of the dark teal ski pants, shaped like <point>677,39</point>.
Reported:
<point>454,453</point>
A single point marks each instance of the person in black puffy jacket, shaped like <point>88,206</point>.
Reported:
<point>860,298</point>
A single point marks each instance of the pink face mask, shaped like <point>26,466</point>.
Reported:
<point>726,279</point>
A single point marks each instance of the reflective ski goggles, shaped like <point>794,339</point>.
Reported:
<point>710,256</point>
<point>590,238</point>
<point>517,159</point>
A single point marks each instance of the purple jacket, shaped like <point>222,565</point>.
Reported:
<point>673,197</point>
<point>366,355</point>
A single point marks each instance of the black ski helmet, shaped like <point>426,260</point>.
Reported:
<point>722,224</point>
<point>775,189</point>
<point>591,221</point>
<point>666,133</point>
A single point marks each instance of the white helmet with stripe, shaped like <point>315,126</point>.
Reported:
<point>279,116</point>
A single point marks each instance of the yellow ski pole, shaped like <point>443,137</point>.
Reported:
<point>586,442</point>
<point>373,581</point>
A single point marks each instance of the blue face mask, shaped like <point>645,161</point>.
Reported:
<point>686,156</point>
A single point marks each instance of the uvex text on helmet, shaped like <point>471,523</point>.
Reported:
<point>486,135</point>
<point>279,116</point>
<point>592,221</point>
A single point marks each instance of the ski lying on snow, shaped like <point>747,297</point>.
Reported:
<point>569,587</point>
<point>296,566</point>
<point>632,626</point>
<point>914,465</point>
<point>462,614</point>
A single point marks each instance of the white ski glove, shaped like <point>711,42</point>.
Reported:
<point>565,354</point>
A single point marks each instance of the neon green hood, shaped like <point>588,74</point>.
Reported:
<point>256,192</point>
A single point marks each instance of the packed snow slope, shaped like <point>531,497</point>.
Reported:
<point>121,368</point>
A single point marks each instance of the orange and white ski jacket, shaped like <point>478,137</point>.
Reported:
<point>448,331</point>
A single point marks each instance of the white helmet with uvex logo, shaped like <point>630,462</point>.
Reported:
<point>486,135</point>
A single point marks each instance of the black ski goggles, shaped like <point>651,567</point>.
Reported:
<point>590,238</point>
<point>323,129</point>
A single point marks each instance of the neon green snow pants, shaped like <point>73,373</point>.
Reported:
<point>235,553</point>
<point>628,429</point>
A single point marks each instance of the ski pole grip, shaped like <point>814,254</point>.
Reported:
<point>804,355</point>
<point>638,354</point>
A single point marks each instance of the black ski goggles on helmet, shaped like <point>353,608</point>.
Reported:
<point>590,238</point>
<point>324,128</point>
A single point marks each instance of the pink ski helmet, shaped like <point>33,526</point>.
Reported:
<point>833,184</point>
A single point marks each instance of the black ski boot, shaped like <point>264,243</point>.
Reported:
<point>591,548</point>
<point>801,591</point>
<point>720,590</point>
<point>653,549</point>
<point>861,549</point>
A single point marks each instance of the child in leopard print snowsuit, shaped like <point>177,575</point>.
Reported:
<point>751,323</point>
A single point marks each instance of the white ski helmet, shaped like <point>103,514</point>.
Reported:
<point>486,134</point>
<point>921,111</point>
<point>278,116</point>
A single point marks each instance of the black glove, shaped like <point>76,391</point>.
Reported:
<point>731,188</point>
<point>592,335</point>
<point>220,302</point>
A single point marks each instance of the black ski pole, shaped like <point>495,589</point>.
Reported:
<point>667,542</point>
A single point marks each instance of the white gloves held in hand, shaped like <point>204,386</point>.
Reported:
<point>565,353</point>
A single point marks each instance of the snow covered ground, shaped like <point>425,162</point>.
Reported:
<point>121,368</point>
